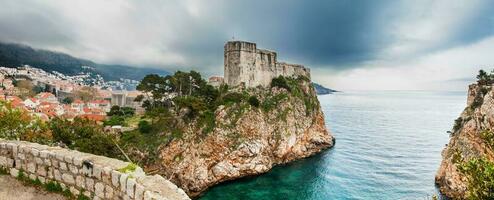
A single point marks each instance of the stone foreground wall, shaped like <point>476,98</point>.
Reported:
<point>95,176</point>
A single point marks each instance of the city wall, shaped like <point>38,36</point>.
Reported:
<point>94,176</point>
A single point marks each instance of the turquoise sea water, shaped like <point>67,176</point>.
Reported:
<point>388,146</point>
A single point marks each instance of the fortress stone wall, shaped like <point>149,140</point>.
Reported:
<point>244,63</point>
<point>97,177</point>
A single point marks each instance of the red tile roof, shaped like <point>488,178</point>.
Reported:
<point>94,117</point>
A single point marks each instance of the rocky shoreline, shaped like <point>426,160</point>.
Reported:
<point>466,141</point>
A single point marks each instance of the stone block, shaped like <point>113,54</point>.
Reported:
<point>38,160</point>
<point>41,171</point>
<point>106,175</point>
<point>131,182</point>
<point>3,161</point>
<point>123,182</point>
<point>47,162</point>
<point>57,174</point>
<point>148,195</point>
<point>80,182</point>
<point>63,166</point>
<point>31,167</point>
<point>99,189</point>
<point>59,156</point>
<point>21,156</point>
<point>55,162</point>
<point>115,178</point>
<point>74,191</point>
<point>73,169</point>
<point>52,155</point>
<point>42,179</point>
<point>77,161</point>
<point>14,172</point>
<point>108,192</point>
<point>90,184</point>
<point>34,152</point>
<point>139,192</point>
<point>32,176</point>
<point>97,169</point>
<point>50,173</point>
<point>14,148</point>
<point>68,159</point>
<point>43,154</point>
<point>18,163</point>
<point>68,178</point>
<point>10,162</point>
<point>87,194</point>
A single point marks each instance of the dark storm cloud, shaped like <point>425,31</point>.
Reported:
<point>191,34</point>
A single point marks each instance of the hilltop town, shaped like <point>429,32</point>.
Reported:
<point>48,95</point>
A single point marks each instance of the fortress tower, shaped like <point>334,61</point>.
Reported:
<point>244,63</point>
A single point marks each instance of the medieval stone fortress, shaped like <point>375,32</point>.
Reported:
<point>248,65</point>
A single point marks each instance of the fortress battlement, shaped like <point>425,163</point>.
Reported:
<point>246,64</point>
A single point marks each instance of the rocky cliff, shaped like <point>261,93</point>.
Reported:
<point>468,141</point>
<point>248,138</point>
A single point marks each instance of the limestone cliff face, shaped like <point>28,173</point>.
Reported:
<point>247,140</point>
<point>466,140</point>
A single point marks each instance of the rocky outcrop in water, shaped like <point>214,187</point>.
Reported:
<point>467,141</point>
<point>247,139</point>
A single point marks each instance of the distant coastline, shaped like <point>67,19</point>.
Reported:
<point>321,90</point>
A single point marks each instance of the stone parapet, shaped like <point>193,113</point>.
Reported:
<point>95,176</point>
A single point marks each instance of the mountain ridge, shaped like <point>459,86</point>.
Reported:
<point>15,55</point>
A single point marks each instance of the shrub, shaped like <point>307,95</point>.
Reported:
<point>488,137</point>
<point>280,82</point>
<point>84,135</point>
<point>232,97</point>
<point>272,101</point>
<point>253,101</point>
<point>53,187</point>
<point>480,175</point>
<point>115,120</point>
<point>144,126</point>
<point>195,104</point>
<point>458,123</point>
<point>131,167</point>
<point>208,121</point>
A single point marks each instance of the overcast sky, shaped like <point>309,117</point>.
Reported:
<point>349,45</point>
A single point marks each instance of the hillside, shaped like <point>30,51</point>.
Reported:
<point>15,55</point>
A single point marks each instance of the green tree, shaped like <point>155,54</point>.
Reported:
<point>67,100</point>
<point>13,122</point>
<point>139,98</point>
<point>84,135</point>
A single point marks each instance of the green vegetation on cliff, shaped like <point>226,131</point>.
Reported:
<point>480,177</point>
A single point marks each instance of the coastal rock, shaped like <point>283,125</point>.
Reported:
<point>246,141</point>
<point>466,141</point>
